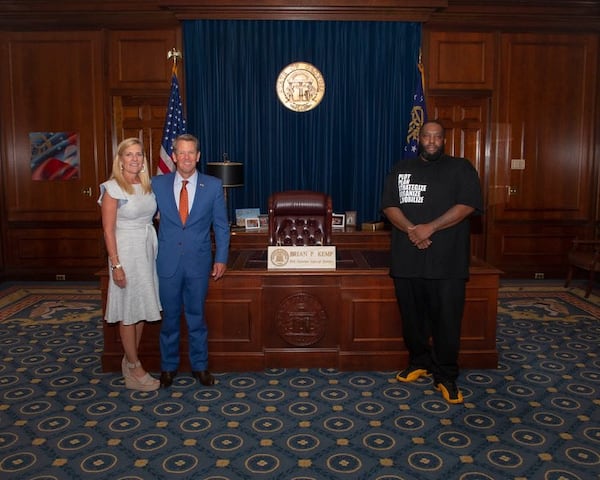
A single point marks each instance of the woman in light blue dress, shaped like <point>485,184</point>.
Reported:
<point>128,207</point>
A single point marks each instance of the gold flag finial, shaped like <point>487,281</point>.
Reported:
<point>174,55</point>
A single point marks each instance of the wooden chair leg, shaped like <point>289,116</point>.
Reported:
<point>590,284</point>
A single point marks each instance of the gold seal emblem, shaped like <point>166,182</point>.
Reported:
<point>280,257</point>
<point>300,86</point>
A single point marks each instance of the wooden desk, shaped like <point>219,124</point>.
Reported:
<point>347,319</point>
<point>346,239</point>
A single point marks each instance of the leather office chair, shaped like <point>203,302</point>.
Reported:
<point>584,255</point>
<point>300,217</point>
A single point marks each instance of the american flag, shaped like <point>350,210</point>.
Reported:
<point>418,116</point>
<point>174,126</point>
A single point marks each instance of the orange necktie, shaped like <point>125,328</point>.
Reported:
<point>183,202</point>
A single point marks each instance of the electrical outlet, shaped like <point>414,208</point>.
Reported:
<point>517,164</point>
<point>60,276</point>
<point>539,276</point>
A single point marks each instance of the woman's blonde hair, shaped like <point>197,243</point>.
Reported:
<point>117,167</point>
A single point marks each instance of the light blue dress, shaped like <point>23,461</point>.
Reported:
<point>137,246</point>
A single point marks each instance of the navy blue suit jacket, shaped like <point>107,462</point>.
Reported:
<point>190,244</point>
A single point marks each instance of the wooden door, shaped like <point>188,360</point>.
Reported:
<point>542,147</point>
<point>52,89</point>
<point>142,117</point>
<point>465,119</point>
<point>53,137</point>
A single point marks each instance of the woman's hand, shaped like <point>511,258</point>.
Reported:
<point>118,275</point>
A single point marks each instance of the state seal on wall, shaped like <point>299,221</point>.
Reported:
<point>300,86</point>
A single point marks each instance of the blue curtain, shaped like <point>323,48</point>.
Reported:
<point>345,146</point>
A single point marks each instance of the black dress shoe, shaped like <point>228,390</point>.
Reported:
<point>166,378</point>
<point>204,377</point>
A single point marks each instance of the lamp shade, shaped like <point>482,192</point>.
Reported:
<point>231,173</point>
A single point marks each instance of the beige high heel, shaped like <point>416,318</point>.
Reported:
<point>147,383</point>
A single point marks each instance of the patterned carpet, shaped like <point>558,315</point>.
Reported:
<point>536,417</point>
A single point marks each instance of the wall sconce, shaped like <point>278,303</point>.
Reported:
<point>230,173</point>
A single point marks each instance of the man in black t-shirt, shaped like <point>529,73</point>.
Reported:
<point>429,200</point>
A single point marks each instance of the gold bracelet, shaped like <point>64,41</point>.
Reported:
<point>114,267</point>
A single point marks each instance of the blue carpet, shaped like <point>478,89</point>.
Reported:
<point>535,417</point>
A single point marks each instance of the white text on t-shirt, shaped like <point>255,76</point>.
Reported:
<point>409,192</point>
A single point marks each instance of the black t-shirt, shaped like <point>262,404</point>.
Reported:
<point>424,191</point>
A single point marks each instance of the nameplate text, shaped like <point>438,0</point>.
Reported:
<point>301,258</point>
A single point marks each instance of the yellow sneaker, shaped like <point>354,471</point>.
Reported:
<point>411,374</point>
<point>450,391</point>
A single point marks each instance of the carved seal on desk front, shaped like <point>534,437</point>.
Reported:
<point>300,86</point>
<point>301,320</point>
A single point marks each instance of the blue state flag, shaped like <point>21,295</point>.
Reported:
<point>418,116</point>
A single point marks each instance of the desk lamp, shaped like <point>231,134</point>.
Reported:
<point>230,173</point>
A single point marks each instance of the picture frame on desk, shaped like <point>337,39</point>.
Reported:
<point>338,221</point>
<point>241,214</point>
<point>263,221</point>
<point>252,223</point>
<point>351,217</point>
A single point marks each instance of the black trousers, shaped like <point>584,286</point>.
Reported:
<point>432,311</point>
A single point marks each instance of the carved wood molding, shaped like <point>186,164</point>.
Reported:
<point>403,10</point>
<point>564,15</point>
<point>143,14</point>
<point>27,15</point>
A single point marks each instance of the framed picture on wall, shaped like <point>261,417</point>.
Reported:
<point>54,155</point>
<point>338,220</point>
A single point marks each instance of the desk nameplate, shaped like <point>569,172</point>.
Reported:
<point>301,258</point>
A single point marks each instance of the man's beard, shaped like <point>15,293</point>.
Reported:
<point>431,157</point>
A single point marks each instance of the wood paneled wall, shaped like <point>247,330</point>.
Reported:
<point>52,83</point>
<point>515,83</point>
<point>140,78</point>
<point>534,147</point>
<point>545,126</point>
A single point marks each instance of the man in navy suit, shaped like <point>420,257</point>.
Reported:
<point>185,258</point>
